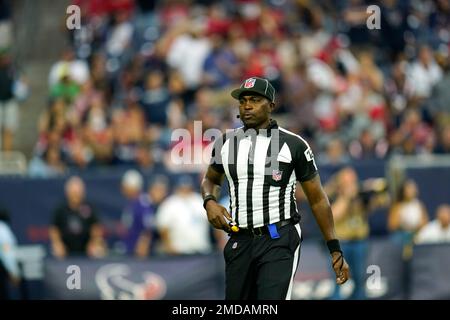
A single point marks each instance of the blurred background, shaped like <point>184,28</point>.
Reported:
<point>87,122</point>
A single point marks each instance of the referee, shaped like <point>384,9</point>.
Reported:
<point>262,163</point>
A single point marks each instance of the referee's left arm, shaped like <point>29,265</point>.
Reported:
<point>320,206</point>
<point>308,176</point>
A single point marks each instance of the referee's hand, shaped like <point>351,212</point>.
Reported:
<point>217,214</point>
<point>340,267</point>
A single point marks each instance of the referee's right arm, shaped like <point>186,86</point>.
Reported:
<point>210,188</point>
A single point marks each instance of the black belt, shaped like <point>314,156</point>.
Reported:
<point>262,230</point>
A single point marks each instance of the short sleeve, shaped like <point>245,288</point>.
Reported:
<point>216,158</point>
<point>305,165</point>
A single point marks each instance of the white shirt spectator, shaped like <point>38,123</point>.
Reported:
<point>78,70</point>
<point>421,80</point>
<point>186,222</point>
<point>188,54</point>
<point>411,215</point>
<point>438,230</point>
<point>119,39</point>
<point>8,244</point>
<point>321,75</point>
<point>433,232</point>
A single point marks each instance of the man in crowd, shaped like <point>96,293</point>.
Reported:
<point>75,228</point>
<point>182,221</point>
<point>137,215</point>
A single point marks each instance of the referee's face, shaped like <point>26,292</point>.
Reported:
<point>254,111</point>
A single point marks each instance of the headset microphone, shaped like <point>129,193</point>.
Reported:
<point>238,116</point>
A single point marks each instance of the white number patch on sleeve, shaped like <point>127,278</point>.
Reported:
<point>310,156</point>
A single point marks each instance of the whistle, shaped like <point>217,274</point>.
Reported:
<point>234,227</point>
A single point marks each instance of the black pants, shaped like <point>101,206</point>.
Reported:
<point>259,267</point>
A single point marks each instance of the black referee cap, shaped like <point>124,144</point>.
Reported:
<point>257,85</point>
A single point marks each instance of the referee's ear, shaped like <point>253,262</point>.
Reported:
<point>271,107</point>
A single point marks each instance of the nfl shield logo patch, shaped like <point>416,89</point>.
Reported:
<point>249,83</point>
<point>277,175</point>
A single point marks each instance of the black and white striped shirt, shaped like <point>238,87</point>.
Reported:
<point>262,168</point>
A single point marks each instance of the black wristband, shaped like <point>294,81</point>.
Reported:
<point>207,198</point>
<point>334,246</point>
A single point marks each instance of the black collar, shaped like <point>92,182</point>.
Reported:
<point>263,131</point>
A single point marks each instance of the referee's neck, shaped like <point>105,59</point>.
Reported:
<point>269,124</point>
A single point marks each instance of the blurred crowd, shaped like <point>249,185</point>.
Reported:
<point>359,208</point>
<point>153,221</point>
<point>137,70</point>
<point>13,86</point>
<point>158,222</point>
<point>157,219</point>
<point>160,219</point>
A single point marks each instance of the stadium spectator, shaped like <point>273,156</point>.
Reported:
<point>137,216</point>
<point>411,135</point>
<point>394,24</point>
<point>9,267</point>
<point>353,202</point>
<point>66,88</point>
<point>367,148</point>
<point>441,96</point>
<point>158,190</point>
<point>443,146</point>
<point>155,98</point>
<point>6,24</point>
<point>97,132</point>
<point>9,108</point>
<point>437,230</point>
<point>84,99</point>
<point>68,67</point>
<point>75,228</point>
<point>355,17</point>
<point>144,157</point>
<point>182,223</point>
<point>334,154</point>
<point>50,155</point>
<point>372,90</point>
<point>128,127</point>
<point>350,215</point>
<point>423,74</point>
<point>49,165</point>
<point>395,89</point>
<point>408,214</point>
<point>120,35</point>
<point>220,66</point>
<point>188,52</point>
